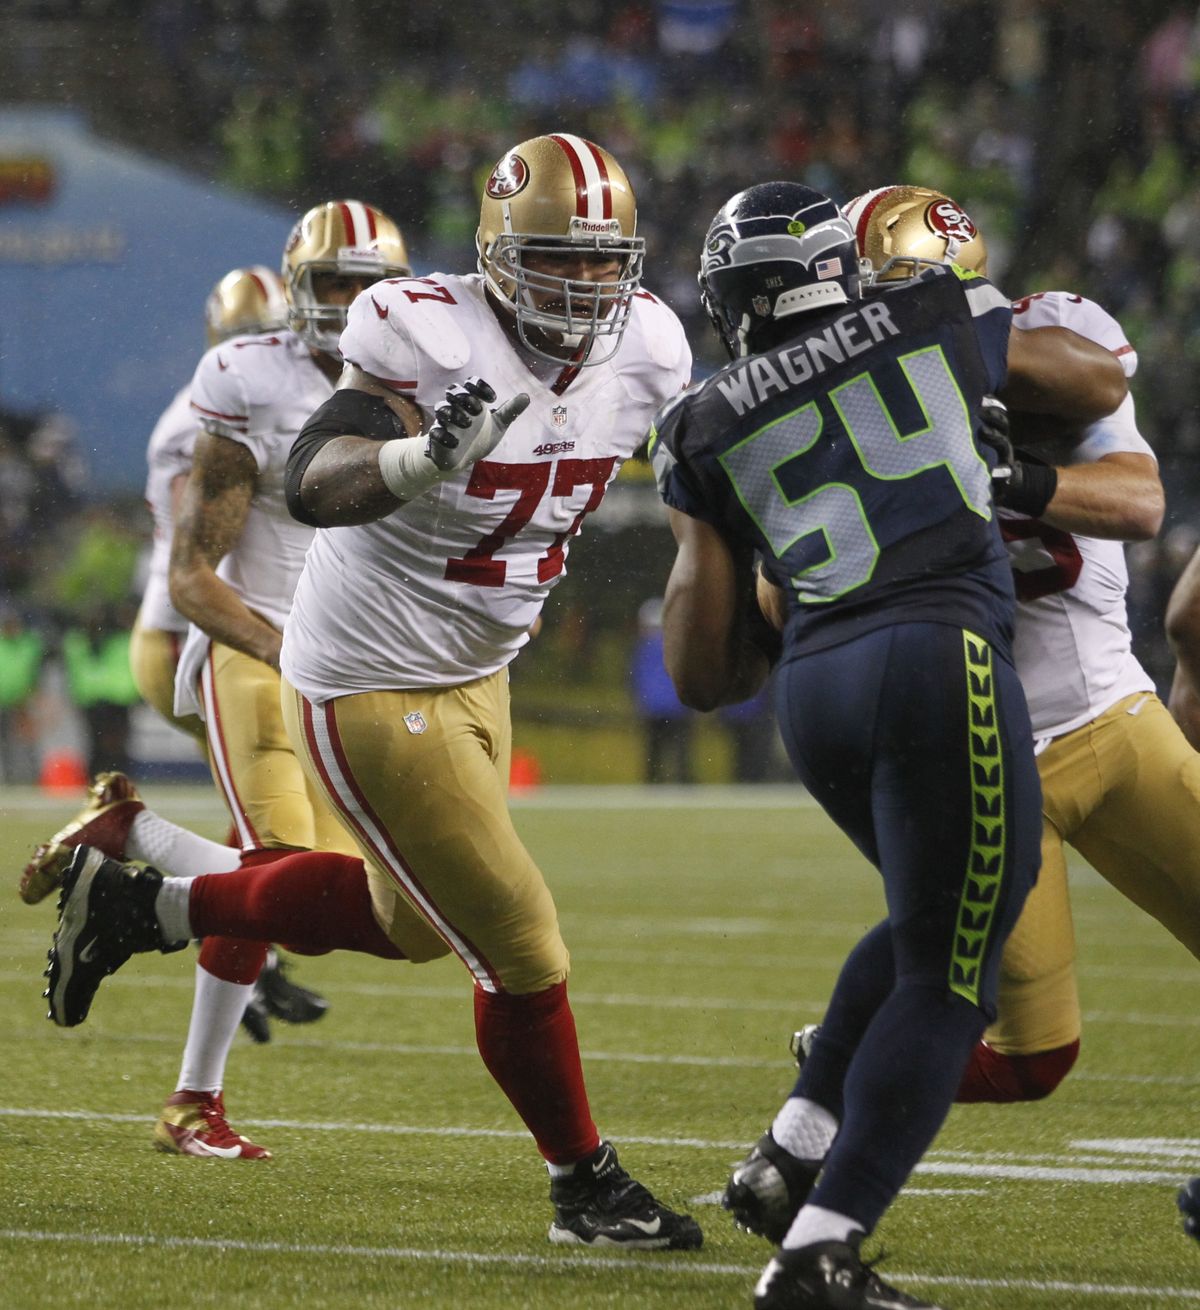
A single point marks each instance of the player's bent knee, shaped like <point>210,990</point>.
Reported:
<point>999,1078</point>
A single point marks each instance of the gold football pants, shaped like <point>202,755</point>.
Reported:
<point>421,779</point>
<point>153,656</point>
<point>268,793</point>
<point>1124,791</point>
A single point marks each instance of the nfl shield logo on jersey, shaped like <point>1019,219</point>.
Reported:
<point>415,722</point>
<point>559,415</point>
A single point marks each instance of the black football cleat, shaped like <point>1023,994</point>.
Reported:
<point>828,1276</point>
<point>598,1204</point>
<point>105,915</point>
<point>256,1019</point>
<point>276,996</point>
<point>765,1192</point>
<point>284,999</point>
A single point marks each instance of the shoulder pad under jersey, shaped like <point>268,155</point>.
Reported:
<point>392,326</point>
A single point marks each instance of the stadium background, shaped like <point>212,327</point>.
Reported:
<point>145,148</point>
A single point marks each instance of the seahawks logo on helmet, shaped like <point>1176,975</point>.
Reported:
<point>773,251</point>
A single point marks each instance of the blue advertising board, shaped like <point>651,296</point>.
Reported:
<point>106,258</point>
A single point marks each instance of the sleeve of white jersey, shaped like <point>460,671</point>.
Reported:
<point>379,338</point>
<point>1064,309</point>
<point>667,351</point>
<point>1114,435</point>
<point>220,393</point>
<point>220,399</point>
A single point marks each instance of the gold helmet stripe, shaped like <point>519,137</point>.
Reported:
<point>593,194</point>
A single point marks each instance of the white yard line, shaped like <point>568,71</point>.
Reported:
<point>954,1164</point>
<point>671,1266</point>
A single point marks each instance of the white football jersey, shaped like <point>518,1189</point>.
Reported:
<point>258,391</point>
<point>168,456</point>
<point>1073,648</point>
<point>445,589</point>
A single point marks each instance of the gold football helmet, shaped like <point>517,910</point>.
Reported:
<point>548,193</point>
<point>345,238</point>
<point>245,300</point>
<point>900,229</point>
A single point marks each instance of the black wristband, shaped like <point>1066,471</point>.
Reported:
<point>347,412</point>
<point>1031,491</point>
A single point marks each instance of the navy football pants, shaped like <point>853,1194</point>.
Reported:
<point>916,740</point>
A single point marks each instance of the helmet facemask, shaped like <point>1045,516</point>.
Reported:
<point>320,323</point>
<point>344,239</point>
<point>573,312</point>
<point>551,196</point>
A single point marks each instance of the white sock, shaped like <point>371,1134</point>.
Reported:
<point>171,909</point>
<point>216,1012</point>
<point>804,1129</point>
<point>155,840</point>
<point>815,1224</point>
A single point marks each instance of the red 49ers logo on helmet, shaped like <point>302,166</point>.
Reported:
<point>508,177</point>
<point>945,217</point>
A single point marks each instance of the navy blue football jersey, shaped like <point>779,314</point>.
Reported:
<point>847,459</point>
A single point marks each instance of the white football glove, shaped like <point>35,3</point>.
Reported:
<point>464,430</point>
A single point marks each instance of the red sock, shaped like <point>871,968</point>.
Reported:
<point>529,1046</point>
<point>235,959</point>
<point>310,901</point>
<point>991,1076</point>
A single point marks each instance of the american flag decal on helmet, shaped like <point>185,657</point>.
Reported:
<point>828,267</point>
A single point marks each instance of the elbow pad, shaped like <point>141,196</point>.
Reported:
<point>347,413</point>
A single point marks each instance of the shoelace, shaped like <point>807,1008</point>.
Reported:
<point>213,1113</point>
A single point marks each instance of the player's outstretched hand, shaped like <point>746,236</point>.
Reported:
<point>465,429</point>
<point>1189,1205</point>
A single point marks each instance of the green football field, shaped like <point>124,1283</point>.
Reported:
<point>703,928</point>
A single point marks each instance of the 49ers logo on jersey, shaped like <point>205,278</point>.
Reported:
<point>509,176</point>
<point>945,217</point>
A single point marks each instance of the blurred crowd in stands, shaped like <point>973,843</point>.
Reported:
<point>1069,129</point>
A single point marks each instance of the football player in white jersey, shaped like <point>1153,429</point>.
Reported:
<point>246,300</point>
<point>235,558</point>
<point>446,517</point>
<point>1119,780</point>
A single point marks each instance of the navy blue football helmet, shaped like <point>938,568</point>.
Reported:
<point>772,251</point>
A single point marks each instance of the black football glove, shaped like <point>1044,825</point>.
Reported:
<point>464,429</point>
<point>1022,484</point>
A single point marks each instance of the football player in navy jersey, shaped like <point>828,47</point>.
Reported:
<point>841,446</point>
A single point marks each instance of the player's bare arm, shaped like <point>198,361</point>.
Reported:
<point>213,513</point>
<point>1183,634</point>
<point>359,478</point>
<point>1052,370</point>
<point>704,636</point>
<point>342,484</point>
<point>1118,497</point>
